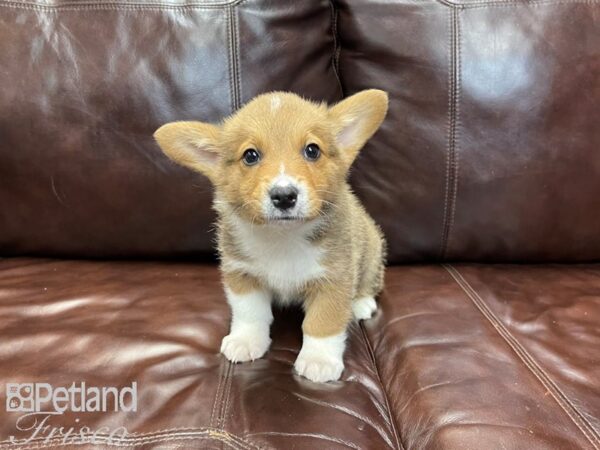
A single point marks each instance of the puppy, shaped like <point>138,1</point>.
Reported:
<point>289,227</point>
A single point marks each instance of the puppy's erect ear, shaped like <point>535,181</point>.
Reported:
<point>356,119</point>
<point>191,144</point>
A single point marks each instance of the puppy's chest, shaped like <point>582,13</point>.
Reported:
<point>284,263</point>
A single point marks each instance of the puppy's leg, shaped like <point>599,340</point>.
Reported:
<point>251,318</point>
<point>371,279</point>
<point>328,312</point>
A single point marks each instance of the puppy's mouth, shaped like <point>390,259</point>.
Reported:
<point>285,219</point>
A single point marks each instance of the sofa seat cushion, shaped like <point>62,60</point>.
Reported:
<point>465,356</point>
<point>483,356</point>
<point>160,325</point>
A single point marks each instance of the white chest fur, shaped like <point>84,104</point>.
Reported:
<point>280,256</point>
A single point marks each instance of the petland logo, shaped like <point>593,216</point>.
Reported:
<point>34,397</point>
<point>42,405</point>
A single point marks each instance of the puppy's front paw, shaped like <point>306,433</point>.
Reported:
<point>319,369</point>
<point>364,308</point>
<point>242,347</point>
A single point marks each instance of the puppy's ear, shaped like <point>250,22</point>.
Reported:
<point>356,119</point>
<point>191,144</point>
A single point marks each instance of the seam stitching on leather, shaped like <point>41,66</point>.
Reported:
<point>109,5</point>
<point>456,134</point>
<point>234,61</point>
<point>451,185</point>
<point>175,434</point>
<point>211,422</point>
<point>238,61</point>
<point>391,419</point>
<point>233,55</point>
<point>118,6</point>
<point>337,47</point>
<point>447,3</point>
<point>450,91</point>
<point>221,407</point>
<point>227,396</point>
<point>559,396</point>
<point>510,4</point>
<point>230,60</point>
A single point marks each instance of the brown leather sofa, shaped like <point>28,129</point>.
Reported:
<point>485,177</point>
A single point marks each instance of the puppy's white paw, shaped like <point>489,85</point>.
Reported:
<point>364,308</point>
<point>321,359</point>
<point>247,346</point>
<point>319,369</point>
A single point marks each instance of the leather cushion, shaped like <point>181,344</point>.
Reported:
<point>476,356</point>
<point>456,357</point>
<point>84,86</point>
<point>160,325</point>
<point>490,149</point>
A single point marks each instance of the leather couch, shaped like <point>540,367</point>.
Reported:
<point>485,177</point>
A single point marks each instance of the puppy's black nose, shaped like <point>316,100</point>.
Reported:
<point>284,197</point>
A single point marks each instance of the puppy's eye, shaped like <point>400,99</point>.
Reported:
<point>312,152</point>
<point>251,157</point>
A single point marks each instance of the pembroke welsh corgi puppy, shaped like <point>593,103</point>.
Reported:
<point>289,227</point>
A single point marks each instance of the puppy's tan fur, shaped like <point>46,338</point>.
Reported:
<point>280,125</point>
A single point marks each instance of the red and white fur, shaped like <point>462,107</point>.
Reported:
<point>290,229</point>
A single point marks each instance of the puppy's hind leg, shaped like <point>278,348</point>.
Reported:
<point>364,307</point>
<point>371,280</point>
<point>251,319</point>
<point>364,304</point>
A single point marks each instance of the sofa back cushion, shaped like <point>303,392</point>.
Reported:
<point>491,150</point>
<point>83,87</point>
